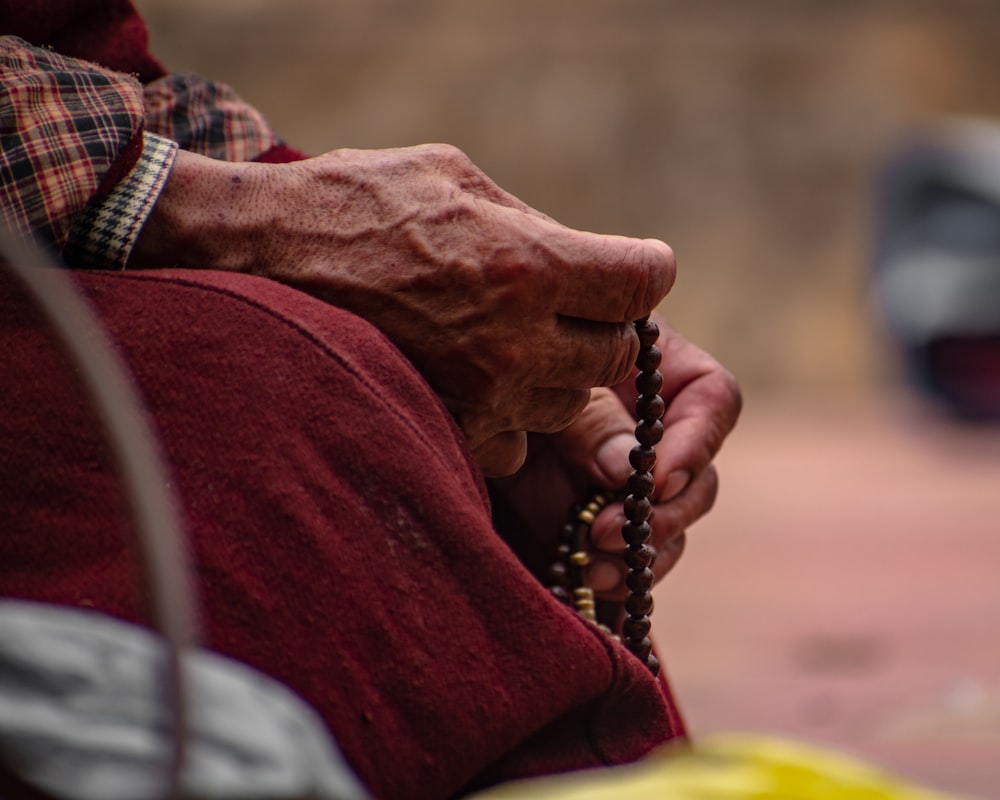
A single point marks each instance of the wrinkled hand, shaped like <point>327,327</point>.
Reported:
<point>511,317</point>
<point>703,403</point>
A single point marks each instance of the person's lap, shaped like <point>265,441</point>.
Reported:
<point>339,528</point>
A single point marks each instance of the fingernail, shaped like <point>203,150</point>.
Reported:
<point>677,481</point>
<point>612,458</point>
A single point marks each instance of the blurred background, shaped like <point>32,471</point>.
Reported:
<point>845,589</point>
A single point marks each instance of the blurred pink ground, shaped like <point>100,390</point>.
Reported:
<point>845,590</point>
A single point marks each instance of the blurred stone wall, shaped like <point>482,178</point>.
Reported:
<point>746,133</point>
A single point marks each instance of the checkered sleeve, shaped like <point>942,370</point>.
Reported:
<point>102,235</point>
<point>206,117</point>
<point>69,131</point>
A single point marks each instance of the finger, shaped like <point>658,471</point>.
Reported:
<point>588,354</point>
<point>551,410</point>
<point>669,519</point>
<point>703,403</point>
<point>615,278</point>
<point>575,354</point>
<point>535,410</point>
<point>598,441</point>
<point>668,556</point>
<point>502,454</point>
<point>695,425</point>
<point>606,574</point>
<point>673,518</point>
<point>601,277</point>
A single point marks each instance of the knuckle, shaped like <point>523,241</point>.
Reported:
<point>669,554</point>
<point>701,500</point>
<point>450,155</point>
<point>728,396</point>
<point>680,513</point>
<point>711,488</point>
<point>735,394</point>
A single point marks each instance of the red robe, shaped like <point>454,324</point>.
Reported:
<point>340,530</point>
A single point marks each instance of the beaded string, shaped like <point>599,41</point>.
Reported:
<point>566,574</point>
<point>638,508</point>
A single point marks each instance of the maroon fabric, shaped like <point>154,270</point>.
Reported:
<point>340,534</point>
<point>108,32</point>
<point>281,154</point>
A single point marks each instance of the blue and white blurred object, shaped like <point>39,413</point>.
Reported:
<point>937,265</point>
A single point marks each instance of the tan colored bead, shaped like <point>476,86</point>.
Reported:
<point>580,558</point>
<point>586,516</point>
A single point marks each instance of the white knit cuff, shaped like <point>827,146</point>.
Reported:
<point>103,234</point>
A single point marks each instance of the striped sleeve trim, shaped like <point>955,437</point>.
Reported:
<point>103,234</point>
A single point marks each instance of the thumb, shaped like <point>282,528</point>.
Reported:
<point>611,458</point>
<point>598,441</point>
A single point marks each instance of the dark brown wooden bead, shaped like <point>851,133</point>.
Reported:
<point>636,629</point>
<point>639,557</point>
<point>642,649</point>
<point>648,383</point>
<point>637,509</point>
<point>639,605</point>
<point>653,664</point>
<point>641,483</point>
<point>648,332</point>
<point>636,534</point>
<point>642,458</point>
<point>649,433</point>
<point>640,581</point>
<point>648,360</point>
<point>650,407</point>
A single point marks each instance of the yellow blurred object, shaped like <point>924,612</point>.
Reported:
<point>730,767</point>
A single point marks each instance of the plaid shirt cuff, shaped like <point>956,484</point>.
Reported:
<point>103,234</point>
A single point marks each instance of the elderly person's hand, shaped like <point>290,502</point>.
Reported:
<point>511,317</point>
<point>703,403</point>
